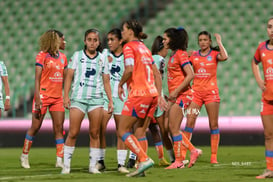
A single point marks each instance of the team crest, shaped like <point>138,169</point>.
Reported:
<point>62,61</point>
<point>209,58</point>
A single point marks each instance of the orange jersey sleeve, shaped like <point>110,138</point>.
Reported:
<point>175,73</point>
<point>205,70</point>
<point>264,55</point>
<point>142,81</point>
<point>51,83</point>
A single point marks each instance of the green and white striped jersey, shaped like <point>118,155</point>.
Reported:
<point>3,72</point>
<point>116,69</point>
<point>87,81</point>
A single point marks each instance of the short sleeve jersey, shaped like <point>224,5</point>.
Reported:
<point>142,81</point>
<point>88,72</point>
<point>116,69</point>
<point>51,83</point>
<point>205,70</point>
<point>264,55</point>
<point>3,72</point>
<point>160,64</point>
<point>175,73</point>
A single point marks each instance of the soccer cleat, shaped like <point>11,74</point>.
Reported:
<point>142,167</point>
<point>213,161</point>
<point>131,163</point>
<point>59,163</point>
<point>24,161</point>
<point>100,165</point>
<point>65,170</point>
<point>176,165</point>
<point>94,170</point>
<point>163,162</point>
<point>195,154</point>
<point>266,174</point>
<point>141,174</point>
<point>122,169</point>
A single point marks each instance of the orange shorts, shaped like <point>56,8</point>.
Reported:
<point>153,121</point>
<point>183,101</point>
<point>140,107</point>
<point>266,107</point>
<point>205,97</point>
<point>54,104</point>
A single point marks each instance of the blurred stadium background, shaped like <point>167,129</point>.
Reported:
<point>242,25</point>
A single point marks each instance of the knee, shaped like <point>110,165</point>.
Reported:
<point>268,135</point>
<point>94,134</point>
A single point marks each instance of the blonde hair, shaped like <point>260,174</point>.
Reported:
<point>50,42</point>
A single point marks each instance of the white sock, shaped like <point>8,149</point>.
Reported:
<point>171,154</point>
<point>132,155</point>
<point>102,154</point>
<point>24,155</point>
<point>59,159</point>
<point>94,154</point>
<point>68,152</point>
<point>121,156</point>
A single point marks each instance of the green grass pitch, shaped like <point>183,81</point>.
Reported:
<point>236,163</point>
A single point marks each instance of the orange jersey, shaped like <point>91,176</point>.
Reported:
<point>142,81</point>
<point>265,55</point>
<point>51,83</point>
<point>205,70</point>
<point>175,73</point>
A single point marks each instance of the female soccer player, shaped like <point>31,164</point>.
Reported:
<point>264,55</point>
<point>140,74</point>
<point>89,74</point>
<point>205,88</point>
<point>4,81</point>
<point>159,52</point>
<point>180,74</point>
<point>116,67</point>
<point>49,73</point>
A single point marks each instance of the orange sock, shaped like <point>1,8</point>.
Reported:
<point>188,133</point>
<point>143,143</point>
<point>159,149</point>
<point>177,144</point>
<point>131,142</point>
<point>214,142</point>
<point>27,144</point>
<point>60,147</point>
<point>269,159</point>
<point>186,142</point>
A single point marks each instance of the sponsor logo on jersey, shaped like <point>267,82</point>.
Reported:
<point>144,106</point>
<point>57,77</point>
<point>202,70</point>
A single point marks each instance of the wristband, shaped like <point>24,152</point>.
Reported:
<point>7,97</point>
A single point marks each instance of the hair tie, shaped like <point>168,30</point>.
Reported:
<point>180,28</point>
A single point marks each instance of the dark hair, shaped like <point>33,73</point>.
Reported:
<point>216,48</point>
<point>157,45</point>
<point>93,30</point>
<point>116,32</point>
<point>178,38</point>
<point>136,27</point>
<point>60,34</point>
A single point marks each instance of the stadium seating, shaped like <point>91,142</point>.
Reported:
<point>22,23</point>
<point>242,25</point>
